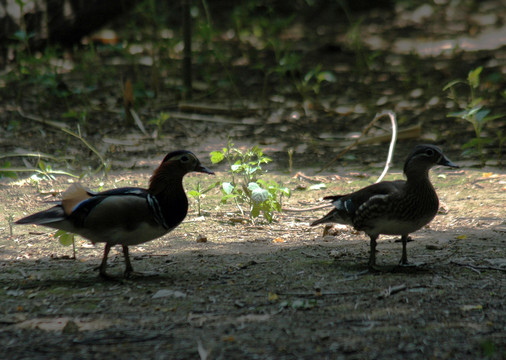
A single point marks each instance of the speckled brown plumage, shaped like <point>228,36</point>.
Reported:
<point>392,207</point>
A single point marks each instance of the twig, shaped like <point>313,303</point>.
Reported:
<point>365,131</point>
<point>56,124</point>
<point>200,117</point>
<point>478,267</point>
<point>307,209</point>
<point>138,122</point>
<point>43,172</point>
<point>91,147</point>
<point>392,290</point>
<point>35,154</point>
<point>388,163</point>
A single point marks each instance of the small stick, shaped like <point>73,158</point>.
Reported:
<point>388,163</point>
<point>391,115</point>
<point>478,267</point>
<point>308,209</point>
<point>392,290</point>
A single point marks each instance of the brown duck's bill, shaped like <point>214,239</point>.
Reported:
<point>447,162</point>
<point>203,169</point>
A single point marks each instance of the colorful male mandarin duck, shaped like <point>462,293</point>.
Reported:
<point>392,207</point>
<point>125,216</point>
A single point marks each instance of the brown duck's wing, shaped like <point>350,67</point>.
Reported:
<point>351,202</point>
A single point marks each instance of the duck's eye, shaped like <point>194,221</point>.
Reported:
<point>184,159</point>
<point>429,152</point>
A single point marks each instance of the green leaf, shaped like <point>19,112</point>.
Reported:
<point>492,117</point>
<point>212,186</point>
<point>254,186</point>
<point>452,84</point>
<point>227,197</point>
<point>458,114</point>
<point>474,77</point>
<point>480,115</point>
<point>326,76</point>
<point>236,167</point>
<point>216,157</point>
<point>476,143</point>
<point>255,211</point>
<point>258,194</point>
<point>194,193</point>
<point>227,187</point>
<point>65,238</point>
<point>286,191</point>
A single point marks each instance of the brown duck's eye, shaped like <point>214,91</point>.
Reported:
<point>429,152</point>
<point>184,159</point>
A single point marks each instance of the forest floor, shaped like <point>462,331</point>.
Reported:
<point>280,290</point>
<point>256,290</point>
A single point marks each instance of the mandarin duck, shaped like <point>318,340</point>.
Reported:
<point>392,207</point>
<point>125,216</point>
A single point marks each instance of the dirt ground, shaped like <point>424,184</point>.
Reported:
<point>283,290</point>
<point>279,291</point>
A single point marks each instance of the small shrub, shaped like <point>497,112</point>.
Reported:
<point>246,186</point>
<point>474,112</point>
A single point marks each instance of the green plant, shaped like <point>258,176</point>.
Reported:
<point>311,82</point>
<point>66,239</point>
<point>474,112</point>
<point>159,121</point>
<point>198,194</point>
<point>246,187</point>
<point>10,222</point>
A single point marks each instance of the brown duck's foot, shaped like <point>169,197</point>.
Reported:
<point>103,275</point>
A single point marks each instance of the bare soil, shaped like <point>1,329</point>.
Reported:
<point>262,291</point>
<point>257,290</point>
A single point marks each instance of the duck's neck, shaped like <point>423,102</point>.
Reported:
<point>419,186</point>
<point>167,186</point>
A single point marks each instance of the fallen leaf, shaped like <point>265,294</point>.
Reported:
<point>471,307</point>
<point>462,237</point>
<point>201,238</point>
<point>272,296</point>
<point>278,240</point>
<point>167,292</point>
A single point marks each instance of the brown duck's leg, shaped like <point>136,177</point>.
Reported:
<point>404,258</point>
<point>372,254</point>
<point>128,265</point>
<point>103,264</point>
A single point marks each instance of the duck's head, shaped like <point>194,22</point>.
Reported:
<point>184,160</point>
<point>423,157</point>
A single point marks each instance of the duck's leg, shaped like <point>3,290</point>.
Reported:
<point>128,265</point>
<point>372,254</point>
<point>103,264</point>
<point>404,258</point>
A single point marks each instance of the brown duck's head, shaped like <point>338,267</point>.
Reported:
<point>423,157</point>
